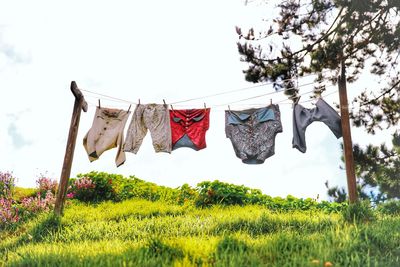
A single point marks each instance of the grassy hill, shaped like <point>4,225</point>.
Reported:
<point>139,232</point>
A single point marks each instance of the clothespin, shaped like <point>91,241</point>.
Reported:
<point>296,101</point>
<point>270,101</point>
<point>172,108</point>
<point>99,104</point>
<point>205,106</point>
<point>139,101</point>
<point>229,107</point>
<point>164,101</point>
<point>318,94</point>
<point>129,108</point>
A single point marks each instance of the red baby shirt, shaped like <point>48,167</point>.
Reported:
<point>192,122</point>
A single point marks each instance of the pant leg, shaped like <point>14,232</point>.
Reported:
<point>120,157</point>
<point>157,119</point>
<point>137,130</point>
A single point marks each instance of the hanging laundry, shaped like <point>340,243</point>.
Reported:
<point>189,127</point>
<point>107,132</point>
<point>302,117</point>
<point>252,132</point>
<point>152,117</point>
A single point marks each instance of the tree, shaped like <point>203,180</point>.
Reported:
<point>315,37</point>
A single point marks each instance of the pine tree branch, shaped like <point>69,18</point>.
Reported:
<point>381,95</point>
<point>372,33</point>
<point>309,47</point>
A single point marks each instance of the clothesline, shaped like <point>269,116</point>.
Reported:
<point>281,102</point>
<point>112,98</point>
<point>242,100</point>
<point>241,89</point>
<point>218,105</point>
<point>266,94</point>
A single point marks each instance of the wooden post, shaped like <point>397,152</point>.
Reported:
<point>348,145</point>
<point>80,104</point>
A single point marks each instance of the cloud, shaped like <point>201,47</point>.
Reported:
<point>18,140</point>
<point>10,53</point>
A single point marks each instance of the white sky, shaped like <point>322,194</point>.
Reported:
<point>152,50</point>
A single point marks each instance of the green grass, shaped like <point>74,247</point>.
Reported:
<point>143,233</point>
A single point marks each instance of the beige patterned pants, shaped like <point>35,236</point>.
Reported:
<point>152,117</point>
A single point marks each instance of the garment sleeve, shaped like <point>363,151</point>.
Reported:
<point>301,119</point>
<point>89,140</point>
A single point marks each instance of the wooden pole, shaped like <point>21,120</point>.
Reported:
<point>80,104</point>
<point>348,145</point>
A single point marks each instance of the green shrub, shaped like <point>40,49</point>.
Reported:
<point>291,203</point>
<point>135,187</point>
<point>100,186</point>
<point>390,207</point>
<point>9,215</point>
<point>359,212</point>
<point>186,194</point>
<point>7,184</point>
<point>330,207</point>
<point>217,192</point>
<point>105,186</point>
<point>82,189</point>
<point>116,187</point>
<point>45,184</point>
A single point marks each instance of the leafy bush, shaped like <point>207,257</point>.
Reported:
<point>95,186</point>
<point>330,207</point>
<point>8,209</point>
<point>44,199</point>
<point>217,192</point>
<point>45,184</point>
<point>27,202</point>
<point>115,187</point>
<point>41,199</point>
<point>100,186</point>
<point>39,203</point>
<point>391,207</point>
<point>8,212</point>
<point>135,187</point>
<point>82,189</point>
<point>186,194</point>
<point>7,183</point>
<point>211,193</point>
<point>359,212</point>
